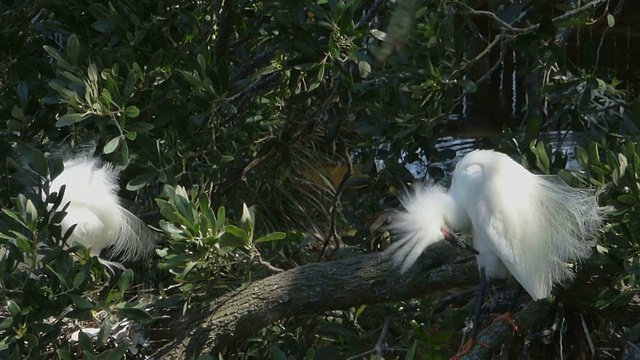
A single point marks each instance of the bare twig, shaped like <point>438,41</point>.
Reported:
<point>505,38</point>
<point>493,68</point>
<point>333,234</point>
<point>253,64</point>
<point>494,17</point>
<point>246,95</point>
<point>529,29</point>
<point>273,269</point>
<point>380,347</point>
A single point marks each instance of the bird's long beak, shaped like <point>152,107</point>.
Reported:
<point>455,240</point>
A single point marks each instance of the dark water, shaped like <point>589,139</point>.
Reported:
<point>500,101</point>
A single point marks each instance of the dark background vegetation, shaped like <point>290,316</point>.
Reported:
<point>265,142</point>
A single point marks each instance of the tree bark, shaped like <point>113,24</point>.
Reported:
<point>320,287</point>
<point>313,289</point>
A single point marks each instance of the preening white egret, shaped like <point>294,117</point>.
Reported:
<point>524,225</point>
<point>94,207</point>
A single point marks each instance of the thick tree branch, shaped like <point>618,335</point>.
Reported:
<point>366,279</point>
<point>313,289</point>
<point>534,315</point>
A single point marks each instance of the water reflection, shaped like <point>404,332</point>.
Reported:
<point>562,141</point>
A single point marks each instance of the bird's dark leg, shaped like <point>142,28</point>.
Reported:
<point>482,289</point>
<point>516,298</point>
<point>512,307</point>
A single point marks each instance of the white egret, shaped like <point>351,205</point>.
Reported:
<point>94,207</point>
<point>525,225</point>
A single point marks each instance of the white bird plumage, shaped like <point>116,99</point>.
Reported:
<point>94,207</point>
<point>526,225</point>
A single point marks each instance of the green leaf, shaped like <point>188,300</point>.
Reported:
<point>129,85</point>
<point>53,52</point>
<point>233,237</point>
<point>271,237</point>
<point>468,86</point>
<point>6,323</point>
<point>78,279</point>
<point>140,127</point>
<point>13,308</point>
<point>125,280</point>
<point>84,342</point>
<point>106,98</point>
<point>277,354</point>
<point>236,231</point>
<point>60,278</point>
<point>92,72</point>
<point>364,68</point>
<point>103,26</point>
<point>14,125</point>
<point>611,21</point>
<point>141,180</point>
<point>70,119</point>
<point>410,355</point>
<point>112,145</point>
<point>132,112</point>
<point>104,333</point>
<point>582,157</point>
<point>202,62</point>
<point>379,35</point>
<point>40,164</point>
<point>64,354</point>
<point>118,353</point>
<point>131,135</point>
<point>17,113</point>
<point>23,94</point>
<point>73,49</point>
<point>136,314</point>
<point>627,199</point>
<point>80,302</point>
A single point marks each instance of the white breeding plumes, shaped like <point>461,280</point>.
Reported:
<point>95,209</point>
<point>522,224</point>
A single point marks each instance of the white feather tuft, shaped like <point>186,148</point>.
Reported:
<point>419,225</point>
<point>91,191</point>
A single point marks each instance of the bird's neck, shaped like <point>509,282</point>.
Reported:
<point>455,214</point>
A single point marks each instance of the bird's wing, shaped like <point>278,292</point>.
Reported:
<point>534,226</point>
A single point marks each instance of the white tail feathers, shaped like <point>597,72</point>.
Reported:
<point>94,207</point>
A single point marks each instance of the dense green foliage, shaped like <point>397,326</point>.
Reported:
<point>259,136</point>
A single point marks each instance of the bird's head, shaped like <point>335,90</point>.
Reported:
<point>430,215</point>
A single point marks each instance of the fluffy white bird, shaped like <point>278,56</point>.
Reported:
<point>522,224</point>
<point>94,207</point>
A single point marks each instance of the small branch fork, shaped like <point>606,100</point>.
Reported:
<point>380,347</point>
<point>529,29</point>
<point>333,234</point>
<point>510,32</point>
